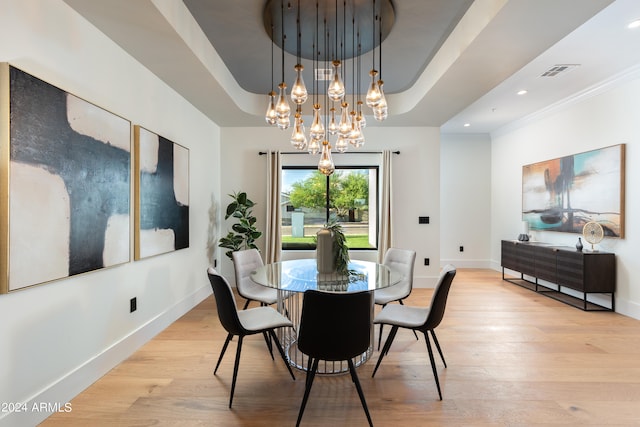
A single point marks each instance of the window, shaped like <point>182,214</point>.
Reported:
<point>309,199</point>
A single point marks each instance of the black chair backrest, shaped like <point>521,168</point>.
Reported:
<point>226,304</point>
<point>335,326</point>
<point>439,298</point>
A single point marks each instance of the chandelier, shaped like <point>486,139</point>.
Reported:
<point>334,35</point>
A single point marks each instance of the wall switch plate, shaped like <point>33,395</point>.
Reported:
<point>133,304</point>
<point>423,220</point>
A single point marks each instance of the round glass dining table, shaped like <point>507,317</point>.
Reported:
<point>293,277</point>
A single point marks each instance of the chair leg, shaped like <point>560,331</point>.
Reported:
<point>433,364</point>
<point>435,340</point>
<point>414,331</point>
<point>309,369</point>
<point>354,377</point>
<point>380,333</point>
<point>235,369</point>
<point>311,373</point>
<point>224,348</point>
<point>246,304</point>
<point>281,350</point>
<point>385,349</point>
<point>267,339</point>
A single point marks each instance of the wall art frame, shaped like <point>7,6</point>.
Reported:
<point>565,193</point>
<point>65,183</point>
<point>161,185</point>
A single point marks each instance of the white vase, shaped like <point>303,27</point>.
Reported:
<point>324,251</point>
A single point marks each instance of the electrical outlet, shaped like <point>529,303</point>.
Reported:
<point>133,304</point>
<point>423,220</point>
<point>426,261</point>
<point>461,248</point>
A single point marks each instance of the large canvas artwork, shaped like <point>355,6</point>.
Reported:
<point>65,183</point>
<point>162,194</point>
<point>564,194</point>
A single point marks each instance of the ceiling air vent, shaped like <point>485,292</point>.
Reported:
<point>323,74</point>
<point>559,69</point>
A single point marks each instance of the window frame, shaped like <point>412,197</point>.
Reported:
<point>303,246</point>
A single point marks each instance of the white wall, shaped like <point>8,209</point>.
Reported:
<point>416,188</point>
<point>609,117</point>
<point>465,194</point>
<point>56,339</point>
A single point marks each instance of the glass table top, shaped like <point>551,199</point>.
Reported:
<point>302,274</point>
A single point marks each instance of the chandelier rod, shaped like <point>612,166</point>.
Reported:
<point>282,35</point>
<point>373,34</point>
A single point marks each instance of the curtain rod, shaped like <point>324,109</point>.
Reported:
<point>262,153</point>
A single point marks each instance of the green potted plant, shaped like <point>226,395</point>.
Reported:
<point>244,233</point>
<point>336,256</point>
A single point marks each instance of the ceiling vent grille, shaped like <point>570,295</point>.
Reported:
<point>323,74</point>
<point>559,69</point>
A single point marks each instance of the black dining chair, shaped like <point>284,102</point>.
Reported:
<point>258,320</point>
<point>421,319</point>
<point>334,327</point>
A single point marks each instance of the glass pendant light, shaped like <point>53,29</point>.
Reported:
<point>360,116</point>
<point>380,111</point>
<point>299,92</point>
<point>314,146</point>
<point>336,88</point>
<point>325,165</point>
<point>271,116</point>
<point>344,127</point>
<point>333,125</point>
<point>341,144</point>
<point>355,137</point>
<point>283,110</point>
<point>317,127</point>
<point>373,94</point>
<point>298,138</point>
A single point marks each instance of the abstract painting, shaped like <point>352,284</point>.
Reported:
<point>66,191</point>
<point>162,194</point>
<point>564,194</point>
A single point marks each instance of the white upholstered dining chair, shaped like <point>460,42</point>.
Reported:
<point>402,261</point>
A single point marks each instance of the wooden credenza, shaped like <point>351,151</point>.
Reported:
<point>554,270</point>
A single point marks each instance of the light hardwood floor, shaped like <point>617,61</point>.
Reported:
<point>514,358</point>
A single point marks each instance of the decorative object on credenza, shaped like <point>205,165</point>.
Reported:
<point>579,245</point>
<point>524,236</point>
<point>593,233</point>
<point>564,194</point>
<point>244,233</point>
<point>65,179</point>
<point>161,182</point>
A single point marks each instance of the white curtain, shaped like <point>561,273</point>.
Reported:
<point>272,236</point>
<point>385,234</point>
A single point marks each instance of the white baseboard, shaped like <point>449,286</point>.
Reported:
<point>57,394</point>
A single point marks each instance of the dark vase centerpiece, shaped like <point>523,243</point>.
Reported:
<point>332,257</point>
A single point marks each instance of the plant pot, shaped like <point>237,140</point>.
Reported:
<point>325,257</point>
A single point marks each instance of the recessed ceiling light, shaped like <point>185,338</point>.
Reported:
<point>634,24</point>
<point>467,125</point>
<point>522,92</point>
